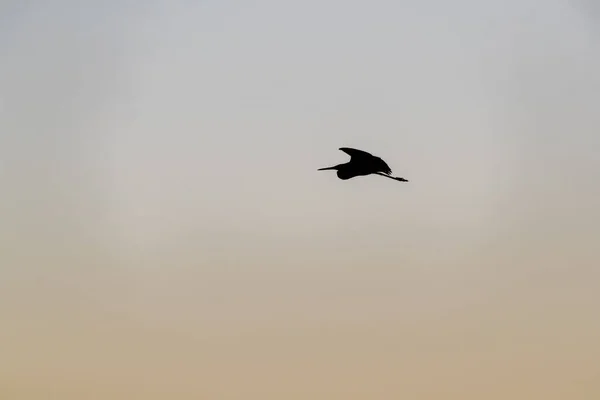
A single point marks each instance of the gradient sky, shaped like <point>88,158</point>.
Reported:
<point>165,232</point>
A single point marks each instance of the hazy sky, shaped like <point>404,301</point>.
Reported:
<point>165,232</point>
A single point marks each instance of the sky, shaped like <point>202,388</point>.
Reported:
<point>166,234</point>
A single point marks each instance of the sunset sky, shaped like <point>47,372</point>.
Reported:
<point>165,233</point>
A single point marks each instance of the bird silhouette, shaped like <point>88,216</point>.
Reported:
<point>362,163</point>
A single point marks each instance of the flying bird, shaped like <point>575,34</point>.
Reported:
<point>361,163</point>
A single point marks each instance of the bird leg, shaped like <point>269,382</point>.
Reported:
<point>392,177</point>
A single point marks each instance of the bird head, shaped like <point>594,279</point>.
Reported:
<point>335,167</point>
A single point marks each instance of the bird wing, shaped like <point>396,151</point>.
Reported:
<point>355,152</point>
<point>377,163</point>
<point>381,166</point>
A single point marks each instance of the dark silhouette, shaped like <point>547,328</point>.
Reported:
<point>362,163</point>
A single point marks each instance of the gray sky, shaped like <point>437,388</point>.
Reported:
<point>158,166</point>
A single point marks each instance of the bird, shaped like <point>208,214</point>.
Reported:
<point>361,163</point>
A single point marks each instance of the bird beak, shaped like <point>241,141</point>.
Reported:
<point>327,168</point>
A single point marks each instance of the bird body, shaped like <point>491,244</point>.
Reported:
<point>361,164</point>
